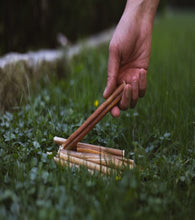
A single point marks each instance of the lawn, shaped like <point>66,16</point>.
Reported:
<point>159,134</point>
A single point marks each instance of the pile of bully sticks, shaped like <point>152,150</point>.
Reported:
<point>74,153</point>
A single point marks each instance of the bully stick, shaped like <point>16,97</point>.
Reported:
<point>106,160</point>
<point>126,161</point>
<point>88,164</point>
<point>90,148</point>
<point>94,118</point>
<point>84,149</point>
<point>85,156</point>
<point>93,123</point>
<point>69,164</point>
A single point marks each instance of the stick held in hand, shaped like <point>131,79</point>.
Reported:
<point>94,118</point>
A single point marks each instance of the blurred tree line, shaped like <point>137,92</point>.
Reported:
<point>33,24</point>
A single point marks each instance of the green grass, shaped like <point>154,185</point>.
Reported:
<point>159,134</point>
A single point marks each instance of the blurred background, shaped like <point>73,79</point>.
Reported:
<point>34,24</point>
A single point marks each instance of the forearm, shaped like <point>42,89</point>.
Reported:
<point>141,8</point>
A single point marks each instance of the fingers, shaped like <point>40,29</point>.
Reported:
<point>142,83</point>
<point>113,67</point>
<point>110,87</point>
<point>134,94</point>
<point>138,88</point>
<point>134,77</point>
<point>133,91</point>
<point>126,98</point>
<point>124,103</point>
<point>115,112</point>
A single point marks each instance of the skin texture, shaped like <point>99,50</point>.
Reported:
<point>129,53</point>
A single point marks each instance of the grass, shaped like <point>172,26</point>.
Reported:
<point>159,134</point>
<point>16,77</point>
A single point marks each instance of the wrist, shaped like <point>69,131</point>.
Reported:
<point>141,9</point>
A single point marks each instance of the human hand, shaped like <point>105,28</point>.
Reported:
<point>129,54</point>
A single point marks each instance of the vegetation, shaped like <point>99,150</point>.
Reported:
<point>159,134</point>
<point>17,77</point>
<point>36,24</point>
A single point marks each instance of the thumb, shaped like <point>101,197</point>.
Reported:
<point>113,68</point>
